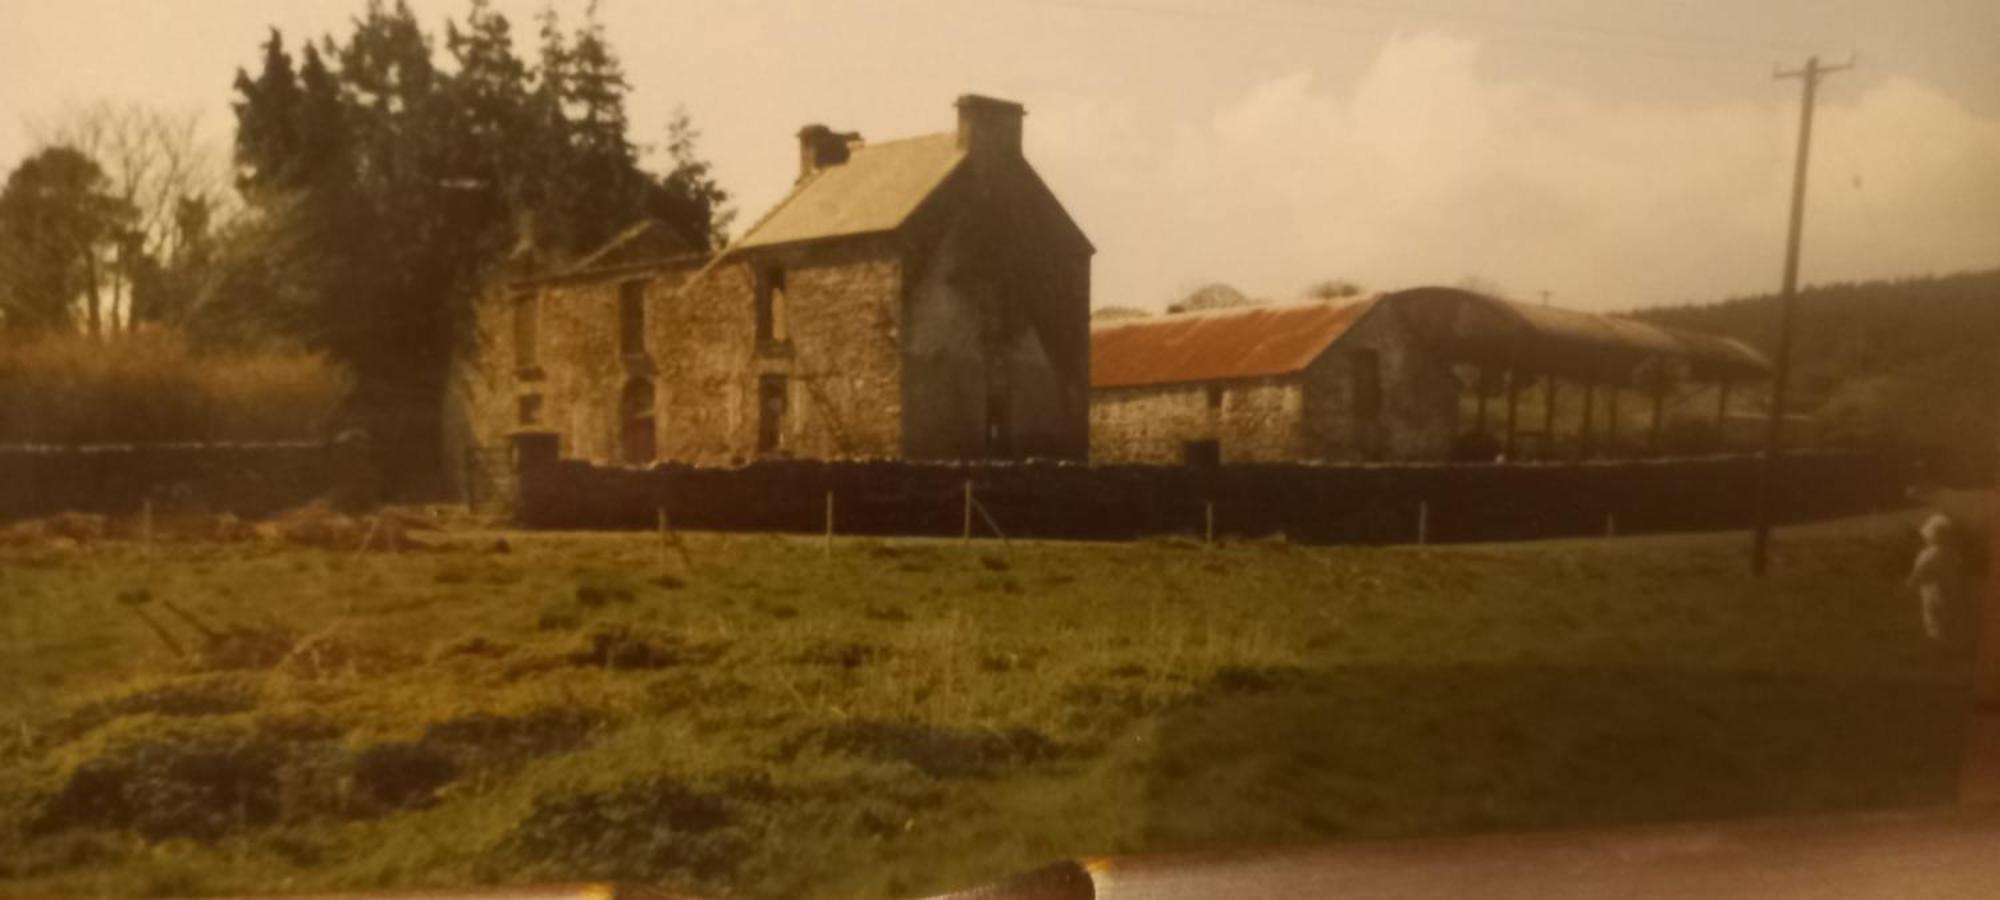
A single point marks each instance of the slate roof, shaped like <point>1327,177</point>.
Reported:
<point>648,241</point>
<point>1215,345</point>
<point>875,190</point>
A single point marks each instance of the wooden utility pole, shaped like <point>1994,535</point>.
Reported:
<point>1760,547</point>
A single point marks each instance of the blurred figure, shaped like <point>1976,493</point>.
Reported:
<point>1937,575</point>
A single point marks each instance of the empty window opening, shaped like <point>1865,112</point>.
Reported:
<point>637,438</point>
<point>1215,396</point>
<point>771,409</point>
<point>772,327</point>
<point>632,318</point>
<point>527,330</point>
<point>530,409</point>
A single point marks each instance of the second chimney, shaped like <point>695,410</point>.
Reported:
<point>988,127</point>
<point>821,147</point>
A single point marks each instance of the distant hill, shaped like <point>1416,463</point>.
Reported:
<point>1912,363</point>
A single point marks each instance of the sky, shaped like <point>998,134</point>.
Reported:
<point>1612,155</point>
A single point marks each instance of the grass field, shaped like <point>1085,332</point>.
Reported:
<point>760,719</point>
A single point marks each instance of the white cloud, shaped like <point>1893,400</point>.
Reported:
<point>1427,171</point>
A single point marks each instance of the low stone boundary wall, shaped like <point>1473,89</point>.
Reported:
<point>1320,504</point>
<point>118,479</point>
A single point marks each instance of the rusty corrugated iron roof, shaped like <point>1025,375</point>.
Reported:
<point>877,188</point>
<point>1217,345</point>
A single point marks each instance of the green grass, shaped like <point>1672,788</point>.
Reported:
<point>911,716</point>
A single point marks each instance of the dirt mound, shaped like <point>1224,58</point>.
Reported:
<point>244,647</point>
<point>80,527</point>
<point>199,695</point>
<point>319,525</point>
<point>843,654</point>
<point>633,647</point>
<point>329,654</point>
<point>491,736</point>
<point>397,776</point>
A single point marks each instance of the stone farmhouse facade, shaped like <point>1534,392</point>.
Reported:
<point>924,298</point>
<point>1293,382</point>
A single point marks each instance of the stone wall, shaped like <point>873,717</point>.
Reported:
<point>843,362</point>
<point>1311,503</point>
<point>243,479</point>
<point>1418,397</point>
<point>999,317</point>
<point>701,359</point>
<point>1252,421</point>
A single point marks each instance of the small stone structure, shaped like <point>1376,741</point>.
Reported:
<point>925,298</point>
<point>1295,382</point>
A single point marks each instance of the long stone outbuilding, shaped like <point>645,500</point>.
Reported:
<point>1380,378</point>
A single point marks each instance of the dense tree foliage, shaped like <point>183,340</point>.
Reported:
<point>1906,363</point>
<point>61,229</point>
<point>387,186</point>
<point>169,184</point>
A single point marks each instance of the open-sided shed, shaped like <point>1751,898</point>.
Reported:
<point>1523,341</point>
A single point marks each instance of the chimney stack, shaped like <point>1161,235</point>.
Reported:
<point>988,127</point>
<point>821,147</point>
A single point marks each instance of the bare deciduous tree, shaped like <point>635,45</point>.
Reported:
<point>157,163</point>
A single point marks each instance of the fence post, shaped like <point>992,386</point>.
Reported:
<point>1423,522</point>
<point>828,550</point>
<point>1208,528</point>
<point>1611,524</point>
<point>660,519</point>
<point>966,536</point>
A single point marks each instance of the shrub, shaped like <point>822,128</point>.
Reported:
<point>653,829</point>
<point>166,778</point>
<point>152,386</point>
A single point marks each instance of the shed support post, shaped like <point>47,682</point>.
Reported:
<point>1549,417</point>
<point>1611,422</point>
<point>1659,414</point>
<point>1480,383</point>
<point>1586,433</point>
<point>1513,409</point>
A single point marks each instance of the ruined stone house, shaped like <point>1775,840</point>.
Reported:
<point>922,298</point>
<point>1293,382</point>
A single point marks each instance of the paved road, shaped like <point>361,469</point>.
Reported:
<point>1918,856</point>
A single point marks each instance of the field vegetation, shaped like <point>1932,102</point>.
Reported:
<point>1898,364</point>
<point>152,385</point>
<point>752,715</point>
